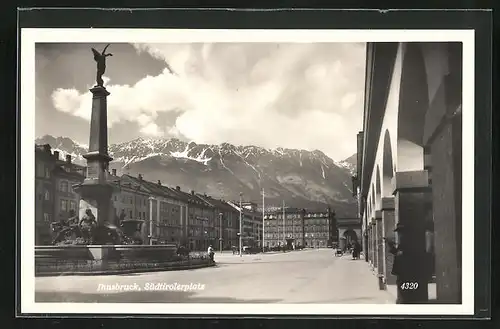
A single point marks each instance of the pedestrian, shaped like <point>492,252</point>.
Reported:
<point>210,252</point>
<point>356,249</point>
<point>411,267</point>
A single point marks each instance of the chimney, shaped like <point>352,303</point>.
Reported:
<point>56,155</point>
<point>139,176</point>
<point>159,182</point>
<point>192,192</point>
<point>178,188</point>
<point>113,171</point>
<point>205,195</point>
<point>68,158</point>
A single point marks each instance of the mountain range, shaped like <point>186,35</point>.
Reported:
<point>305,179</point>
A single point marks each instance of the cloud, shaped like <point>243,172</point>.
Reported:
<point>289,95</point>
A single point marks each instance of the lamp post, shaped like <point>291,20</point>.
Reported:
<point>220,232</point>
<point>151,220</point>
<point>241,226</point>
<point>263,223</point>
<point>284,225</point>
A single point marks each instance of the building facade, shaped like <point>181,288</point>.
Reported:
<point>65,175</point>
<point>161,209</point>
<point>54,195</point>
<point>44,194</point>
<point>409,158</point>
<point>301,227</point>
<point>226,224</point>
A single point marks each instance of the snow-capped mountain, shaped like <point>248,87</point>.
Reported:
<point>302,178</point>
<point>350,163</point>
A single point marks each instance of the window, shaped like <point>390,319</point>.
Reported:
<point>46,218</point>
<point>131,216</point>
<point>47,172</point>
<point>63,186</point>
<point>40,169</point>
<point>64,205</point>
<point>72,205</point>
<point>47,195</point>
<point>144,214</point>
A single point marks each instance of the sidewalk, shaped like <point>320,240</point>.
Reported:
<point>392,289</point>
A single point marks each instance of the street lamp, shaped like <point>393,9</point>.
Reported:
<point>241,226</point>
<point>151,220</point>
<point>220,232</point>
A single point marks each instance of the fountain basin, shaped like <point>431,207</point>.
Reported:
<point>112,259</point>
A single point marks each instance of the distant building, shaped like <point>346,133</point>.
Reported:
<point>251,224</point>
<point>65,175</point>
<point>228,227</point>
<point>302,228</point>
<point>162,210</point>
<point>45,163</point>
<point>54,196</point>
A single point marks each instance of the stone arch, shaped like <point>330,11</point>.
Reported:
<point>378,188</point>
<point>387,166</point>
<point>413,105</point>
<point>350,236</point>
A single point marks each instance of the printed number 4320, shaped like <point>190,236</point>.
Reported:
<point>409,285</point>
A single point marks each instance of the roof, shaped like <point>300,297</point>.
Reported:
<point>59,171</point>
<point>147,186</point>
<point>219,204</point>
<point>165,191</point>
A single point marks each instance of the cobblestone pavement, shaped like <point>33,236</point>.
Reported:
<point>308,276</point>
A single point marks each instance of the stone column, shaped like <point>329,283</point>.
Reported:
<point>95,191</point>
<point>447,203</point>
<point>410,210</point>
<point>157,230</point>
<point>379,243</point>
<point>373,238</point>
<point>366,244</point>
<point>182,223</point>
<point>388,222</point>
<point>369,243</point>
<point>151,221</point>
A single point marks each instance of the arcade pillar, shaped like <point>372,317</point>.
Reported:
<point>410,198</point>
<point>379,244</point>
<point>389,224</point>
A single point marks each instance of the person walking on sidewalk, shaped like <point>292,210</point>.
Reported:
<point>210,252</point>
<point>410,267</point>
<point>356,249</point>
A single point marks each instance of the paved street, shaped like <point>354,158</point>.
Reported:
<point>309,276</point>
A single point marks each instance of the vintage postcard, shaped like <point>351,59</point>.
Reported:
<point>247,171</point>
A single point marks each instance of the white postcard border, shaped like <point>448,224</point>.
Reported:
<point>27,115</point>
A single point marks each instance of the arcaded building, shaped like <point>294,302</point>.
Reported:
<point>410,157</point>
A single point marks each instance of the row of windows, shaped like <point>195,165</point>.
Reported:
<point>67,205</point>
<point>279,235</point>
<point>42,171</point>
<point>47,218</point>
<point>298,222</point>
<point>64,186</point>
<point>127,199</point>
<point>296,216</point>
<point>298,228</point>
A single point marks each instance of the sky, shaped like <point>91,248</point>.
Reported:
<point>293,95</point>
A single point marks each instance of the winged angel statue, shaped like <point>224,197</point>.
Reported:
<point>100,59</point>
